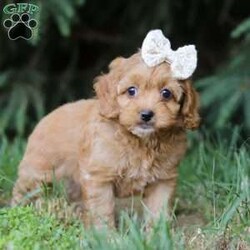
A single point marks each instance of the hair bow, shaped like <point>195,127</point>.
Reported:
<point>156,49</point>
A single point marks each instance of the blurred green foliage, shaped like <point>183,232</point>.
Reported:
<point>25,73</point>
<point>75,40</point>
<point>226,94</point>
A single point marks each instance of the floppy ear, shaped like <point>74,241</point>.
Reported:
<point>106,89</point>
<point>190,106</point>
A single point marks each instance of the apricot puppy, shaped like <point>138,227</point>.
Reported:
<point>126,141</point>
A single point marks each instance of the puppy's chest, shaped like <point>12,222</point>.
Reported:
<point>137,168</point>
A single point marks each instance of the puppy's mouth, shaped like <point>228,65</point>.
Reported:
<point>145,125</point>
<point>143,129</point>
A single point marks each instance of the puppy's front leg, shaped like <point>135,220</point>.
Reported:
<point>158,198</point>
<point>99,202</point>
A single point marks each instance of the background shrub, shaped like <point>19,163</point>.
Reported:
<point>75,41</point>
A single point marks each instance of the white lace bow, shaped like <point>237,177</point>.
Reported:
<point>156,49</point>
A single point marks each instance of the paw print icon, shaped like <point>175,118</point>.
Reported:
<point>20,26</point>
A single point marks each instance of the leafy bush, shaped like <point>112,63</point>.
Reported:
<point>75,40</point>
<point>24,73</point>
<point>20,98</point>
<point>226,94</point>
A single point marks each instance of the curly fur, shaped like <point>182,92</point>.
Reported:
<point>100,146</point>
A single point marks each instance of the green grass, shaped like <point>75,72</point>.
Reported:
<point>212,208</point>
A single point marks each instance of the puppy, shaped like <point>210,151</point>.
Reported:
<point>127,140</point>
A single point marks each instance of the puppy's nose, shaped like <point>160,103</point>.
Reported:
<point>146,115</point>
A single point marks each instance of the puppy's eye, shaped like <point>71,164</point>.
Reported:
<point>166,94</point>
<point>132,91</point>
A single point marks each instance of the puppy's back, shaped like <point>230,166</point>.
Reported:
<point>55,141</point>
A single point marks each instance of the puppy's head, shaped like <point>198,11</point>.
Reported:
<point>146,99</point>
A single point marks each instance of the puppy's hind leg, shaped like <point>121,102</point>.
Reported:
<point>31,176</point>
